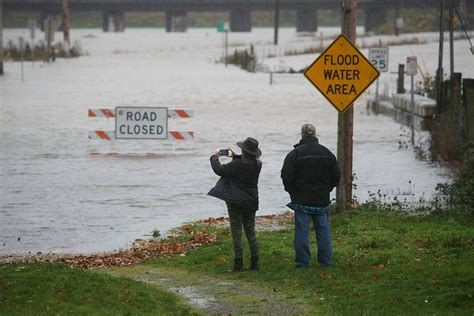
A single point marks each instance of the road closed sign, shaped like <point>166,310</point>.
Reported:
<point>141,123</point>
<point>341,73</point>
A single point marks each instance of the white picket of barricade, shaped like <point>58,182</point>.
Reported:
<point>110,113</point>
<point>109,135</point>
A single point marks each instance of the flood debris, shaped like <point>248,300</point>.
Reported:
<point>144,249</point>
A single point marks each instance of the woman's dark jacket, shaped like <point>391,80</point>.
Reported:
<point>238,182</point>
<point>310,172</point>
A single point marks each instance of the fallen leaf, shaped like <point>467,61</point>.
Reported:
<point>222,260</point>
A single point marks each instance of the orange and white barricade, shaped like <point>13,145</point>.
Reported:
<point>110,135</point>
<point>167,146</point>
<point>110,113</point>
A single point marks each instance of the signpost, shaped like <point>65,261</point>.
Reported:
<point>141,123</point>
<point>378,56</point>
<point>224,28</point>
<point>341,73</point>
<point>412,71</point>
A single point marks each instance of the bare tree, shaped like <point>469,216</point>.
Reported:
<point>66,24</point>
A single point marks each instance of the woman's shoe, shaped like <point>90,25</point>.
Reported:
<point>238,265</point>
<point>254,263</point>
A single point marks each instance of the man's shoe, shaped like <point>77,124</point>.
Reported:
<point>301,266</point>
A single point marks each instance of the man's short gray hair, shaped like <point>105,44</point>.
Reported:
<point>308,130</point>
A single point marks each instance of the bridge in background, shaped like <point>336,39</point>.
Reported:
<point>240,10</point>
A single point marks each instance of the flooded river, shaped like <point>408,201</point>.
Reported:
<point>55,196</point>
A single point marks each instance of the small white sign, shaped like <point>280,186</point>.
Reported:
<point>378,57</point>
<point>399,23</point>
<point>412,69</point>
<point>141,123</point>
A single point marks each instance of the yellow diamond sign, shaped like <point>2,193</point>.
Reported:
<point>341,73</point>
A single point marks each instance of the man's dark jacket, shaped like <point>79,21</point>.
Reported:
<point>238,182</point>
<point>310,172</point>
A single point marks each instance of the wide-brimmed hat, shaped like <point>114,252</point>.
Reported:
<point>250,146</point>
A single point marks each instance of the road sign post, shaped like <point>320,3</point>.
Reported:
<point>226,46</point>
<point>412,70</point>
<point>224,28</point>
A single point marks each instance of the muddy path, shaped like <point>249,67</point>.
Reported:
<point>215,296</point>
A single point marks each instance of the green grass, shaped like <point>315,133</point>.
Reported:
<point>48,289</point>
<point>384,263</point>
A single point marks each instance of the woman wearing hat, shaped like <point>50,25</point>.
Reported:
<point>238,188</point>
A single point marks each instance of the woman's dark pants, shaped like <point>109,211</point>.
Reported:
<point>239,217</point>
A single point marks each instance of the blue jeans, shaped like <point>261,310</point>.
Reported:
<point>323,238</point>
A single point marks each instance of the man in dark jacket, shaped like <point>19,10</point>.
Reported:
<point>309,174</point>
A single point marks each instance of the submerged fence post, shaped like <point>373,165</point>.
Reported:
<point>458,124</point>
<point>468,105</point>
<point>451,121</point>
<point>401,78</point>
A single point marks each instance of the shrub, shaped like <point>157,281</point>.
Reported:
<point>460,193</point>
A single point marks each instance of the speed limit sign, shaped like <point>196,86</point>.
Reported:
<point>378,56</point>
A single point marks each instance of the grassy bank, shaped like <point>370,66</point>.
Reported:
<point>51,289</point>
<point>383,263</point>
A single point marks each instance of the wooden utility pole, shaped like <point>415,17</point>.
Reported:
<point>276,21</point>
<point>1,37</point>
<point>345,121</point>
<point>66,24</point>
<point>440,75</point>
<point>451,38</point>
